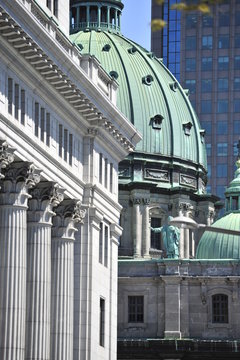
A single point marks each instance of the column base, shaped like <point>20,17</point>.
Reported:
<point>172,335</point>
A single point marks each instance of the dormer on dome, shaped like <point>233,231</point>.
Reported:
<point>95,15</point>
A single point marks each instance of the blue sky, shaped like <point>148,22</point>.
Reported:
<point>136,19</point>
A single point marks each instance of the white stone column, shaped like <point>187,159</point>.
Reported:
<point>19,177</point>
<point>172,307</point>
<point>67,215</point>
<point>186,243</point>
<point>136,227</point>
<point>146,229</point>
<point>44,197</point>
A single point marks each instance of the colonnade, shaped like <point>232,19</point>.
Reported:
<point>37,227</point>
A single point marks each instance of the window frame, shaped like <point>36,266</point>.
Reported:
<point>217,291</point>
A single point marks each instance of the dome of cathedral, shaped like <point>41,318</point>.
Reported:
<point>149,95</point>
<point>222,239</point>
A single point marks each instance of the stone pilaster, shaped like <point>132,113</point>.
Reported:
<point>172,307</point>
<point>19,178</point>
<point>146,229</point>
<point>44,198</point>
<point>67,215</point>
<point>136,227</point>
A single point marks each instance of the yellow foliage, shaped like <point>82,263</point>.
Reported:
<point>158,24</point>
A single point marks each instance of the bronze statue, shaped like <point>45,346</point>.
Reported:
<point>171,235</point>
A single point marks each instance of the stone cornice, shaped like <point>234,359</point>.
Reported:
<point>66,83</point>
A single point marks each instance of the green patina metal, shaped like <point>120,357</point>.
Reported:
<point>149,96</point>
<point>223,239</point>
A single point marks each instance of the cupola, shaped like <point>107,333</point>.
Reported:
<point>95,15</point>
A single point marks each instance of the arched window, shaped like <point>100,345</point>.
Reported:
<point>220,309</point>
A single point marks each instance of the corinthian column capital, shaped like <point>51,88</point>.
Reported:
<point>19,177</point>
<point>68,214</point>
<point>6,156</point>
<point>45,196</point>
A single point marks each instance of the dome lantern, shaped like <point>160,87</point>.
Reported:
<point>95,15</point>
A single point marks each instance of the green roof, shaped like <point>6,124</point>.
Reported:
<point>146,89</point>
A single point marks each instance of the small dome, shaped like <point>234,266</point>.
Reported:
<point>222,239</point>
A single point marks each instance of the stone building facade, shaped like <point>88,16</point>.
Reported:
<point>61,139</point>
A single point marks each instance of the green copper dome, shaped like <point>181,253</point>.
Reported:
<point>222,239</point>
<point>148,94</point>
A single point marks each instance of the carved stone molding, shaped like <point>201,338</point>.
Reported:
<point>136,200</point>
<point>92,132</point>
<point>188,181</point>
<point>124,172</point>
<point>6,156</point>
<point>156,174</point>
<point>68,214</point>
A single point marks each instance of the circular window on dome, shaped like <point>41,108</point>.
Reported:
<point>80,46</point>
<point>147,80</point>
<point>156,122</point>
<point>132,50</point>
<point>113,74</point>
<point>106,47</point>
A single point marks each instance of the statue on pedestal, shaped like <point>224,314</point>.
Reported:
<point>171,235</point>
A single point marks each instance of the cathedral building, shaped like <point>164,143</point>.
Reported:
<point>185,307</point>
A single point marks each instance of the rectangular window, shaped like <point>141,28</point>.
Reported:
<point>10,95</point>
<point>237,18</point>
<point>111,177</point>
<point>191,21</point>
<point>70,148</point>
<point>191,85</point>
<point>155,237</point>
<point>135,309</point>
<point>223,84</point>
<point>207,21</point>
<point>207,42</point>
<point>42,123</point>
<point>48,129</point>
<point>237,40</point>
<point>49,4</point>
<point>65,145</point>
<point>206,85</point>
<point>237,62</point>
<point>222,127</point>
<point>55,8</point>
<point>100,168</point>
<point>222,149</point>
<point>206,106</point>
<point>191,43</point>
<point>222,106</point>
<point>190,64</point>
<point>223,62</point>
<point>106,174</point>
<point>101,244</point>
<point>223,41</point>
<point>207,126</point>
<point>36,119</point>
<point>236,84</point>
<point>236,105</point>
<point>207,64</point>
<point>106,241</point>
<point>224,19</point>
<point>220,309</point>
<point>16,101</point>
<point>209,149</point>
<point>236,127</point>
<point>221,170</point>
<point>60,140</point>
<point>23,106</point>
<point>102,323</point>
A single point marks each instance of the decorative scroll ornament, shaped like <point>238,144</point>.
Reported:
<point>6,156</point>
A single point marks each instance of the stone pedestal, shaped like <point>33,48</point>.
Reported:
<point>13,243</point>
<point>40,213</point>
<point>67,215</point>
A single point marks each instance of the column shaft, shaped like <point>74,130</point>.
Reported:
<point>13,282</point>
<point>146,232</point>
<point>62,300</point>
<point>38,292</point>
<point>137,244</point>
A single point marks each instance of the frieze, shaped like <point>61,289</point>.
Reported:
<point>188,181</point>
<point>155,174</point>
<point>124,172</point>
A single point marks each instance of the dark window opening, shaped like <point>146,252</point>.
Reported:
<point>156,237</point>
<point>102,323</point>
<point>135,309</point>
<point>220,309</point>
